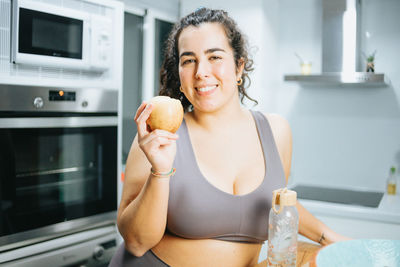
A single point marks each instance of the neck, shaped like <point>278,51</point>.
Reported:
<point>224,117</point>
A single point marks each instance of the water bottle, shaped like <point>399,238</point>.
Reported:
<point>282,229</point>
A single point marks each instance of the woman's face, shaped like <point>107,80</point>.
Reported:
<point>207,69</point>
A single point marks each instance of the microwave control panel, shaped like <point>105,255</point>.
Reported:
<point>100,42</point>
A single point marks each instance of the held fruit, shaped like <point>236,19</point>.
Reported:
<point>167,114</point>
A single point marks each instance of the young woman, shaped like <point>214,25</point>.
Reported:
<point>214,210</point>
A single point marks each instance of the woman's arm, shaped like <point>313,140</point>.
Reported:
<point>314,229</point>
<point>309,226</point>
<point>142,213</point>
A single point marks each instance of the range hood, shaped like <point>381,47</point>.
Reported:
<point>361,78</point>
<point>342,61</point>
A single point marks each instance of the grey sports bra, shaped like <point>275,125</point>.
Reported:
<point>197,209</point>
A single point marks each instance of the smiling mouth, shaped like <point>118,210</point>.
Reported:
<point>206,88</point>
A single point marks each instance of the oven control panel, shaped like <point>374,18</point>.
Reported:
<point>17,98</point>
<point>62,95</point>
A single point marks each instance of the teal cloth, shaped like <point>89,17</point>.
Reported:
<point>361,253</point>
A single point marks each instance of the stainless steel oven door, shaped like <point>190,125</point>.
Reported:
<point>57,175</point>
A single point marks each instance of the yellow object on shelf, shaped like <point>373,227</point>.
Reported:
<point>391,183</point>
<point>305,68</point>
<point>391,189</point>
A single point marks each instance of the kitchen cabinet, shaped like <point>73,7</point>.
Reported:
<point>361,228</point>
<point>132,81</point>
<point>382,222</point>
<point>162,30</point>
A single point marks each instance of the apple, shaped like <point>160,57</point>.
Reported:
<point>167,114</point>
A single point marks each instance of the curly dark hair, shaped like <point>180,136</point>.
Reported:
<point>169,74</point>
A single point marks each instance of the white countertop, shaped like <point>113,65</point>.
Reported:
<point>388,210</point>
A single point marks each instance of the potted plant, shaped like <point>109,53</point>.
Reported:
<point>370,67</point>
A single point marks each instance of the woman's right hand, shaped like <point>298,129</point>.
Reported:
<point>159,146</point>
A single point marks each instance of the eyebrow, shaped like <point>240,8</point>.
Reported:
<point>208,51</point>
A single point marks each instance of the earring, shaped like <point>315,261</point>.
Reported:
<point>240,81</point>
<point>180,88</point>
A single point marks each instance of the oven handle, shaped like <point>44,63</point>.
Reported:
<point>59,122</point>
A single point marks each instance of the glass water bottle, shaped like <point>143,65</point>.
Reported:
<point>283,229</point>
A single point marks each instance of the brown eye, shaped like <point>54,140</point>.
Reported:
<point>215,58</point>
<point>188,61</point>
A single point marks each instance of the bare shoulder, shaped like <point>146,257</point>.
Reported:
<point>277,122</point>
<point>283,138</point>
<point>281,130</point>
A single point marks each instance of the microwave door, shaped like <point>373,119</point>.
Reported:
<point>49,35</point>
<point>45,35</point>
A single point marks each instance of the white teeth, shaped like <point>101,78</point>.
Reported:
<point>206,89</point>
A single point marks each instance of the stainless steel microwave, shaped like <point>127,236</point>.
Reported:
<point>55,36</point>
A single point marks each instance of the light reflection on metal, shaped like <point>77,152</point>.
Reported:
<point>349,37</point>
<point>373,79</point>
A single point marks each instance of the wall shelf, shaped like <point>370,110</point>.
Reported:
<point>340,78</point>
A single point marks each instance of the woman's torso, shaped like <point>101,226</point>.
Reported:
<point>222,191</point>
<point>180,252</point>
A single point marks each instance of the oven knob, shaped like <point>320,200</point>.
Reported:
<point>98,252</point>
<point>38,102</point>
<point>85,103</point>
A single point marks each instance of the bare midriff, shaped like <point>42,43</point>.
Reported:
<point>176,251</point>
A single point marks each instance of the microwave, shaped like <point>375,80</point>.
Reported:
<point>55,36</point>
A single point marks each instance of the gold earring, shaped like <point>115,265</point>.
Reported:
<point>240,81</point>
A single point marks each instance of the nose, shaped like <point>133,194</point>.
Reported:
<point>203,69</point>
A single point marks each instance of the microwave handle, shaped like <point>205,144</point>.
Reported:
<point>59,122</point>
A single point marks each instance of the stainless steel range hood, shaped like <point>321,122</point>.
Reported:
<point>342,62</point>
<point>355,78</point>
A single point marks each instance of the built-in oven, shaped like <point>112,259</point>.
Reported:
<point>58,175</point>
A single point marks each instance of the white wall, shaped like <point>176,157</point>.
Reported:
<point>344,137</point>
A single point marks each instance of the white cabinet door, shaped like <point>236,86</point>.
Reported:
<point>362,228</point>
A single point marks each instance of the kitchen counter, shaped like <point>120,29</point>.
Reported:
<point>388,210</point>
